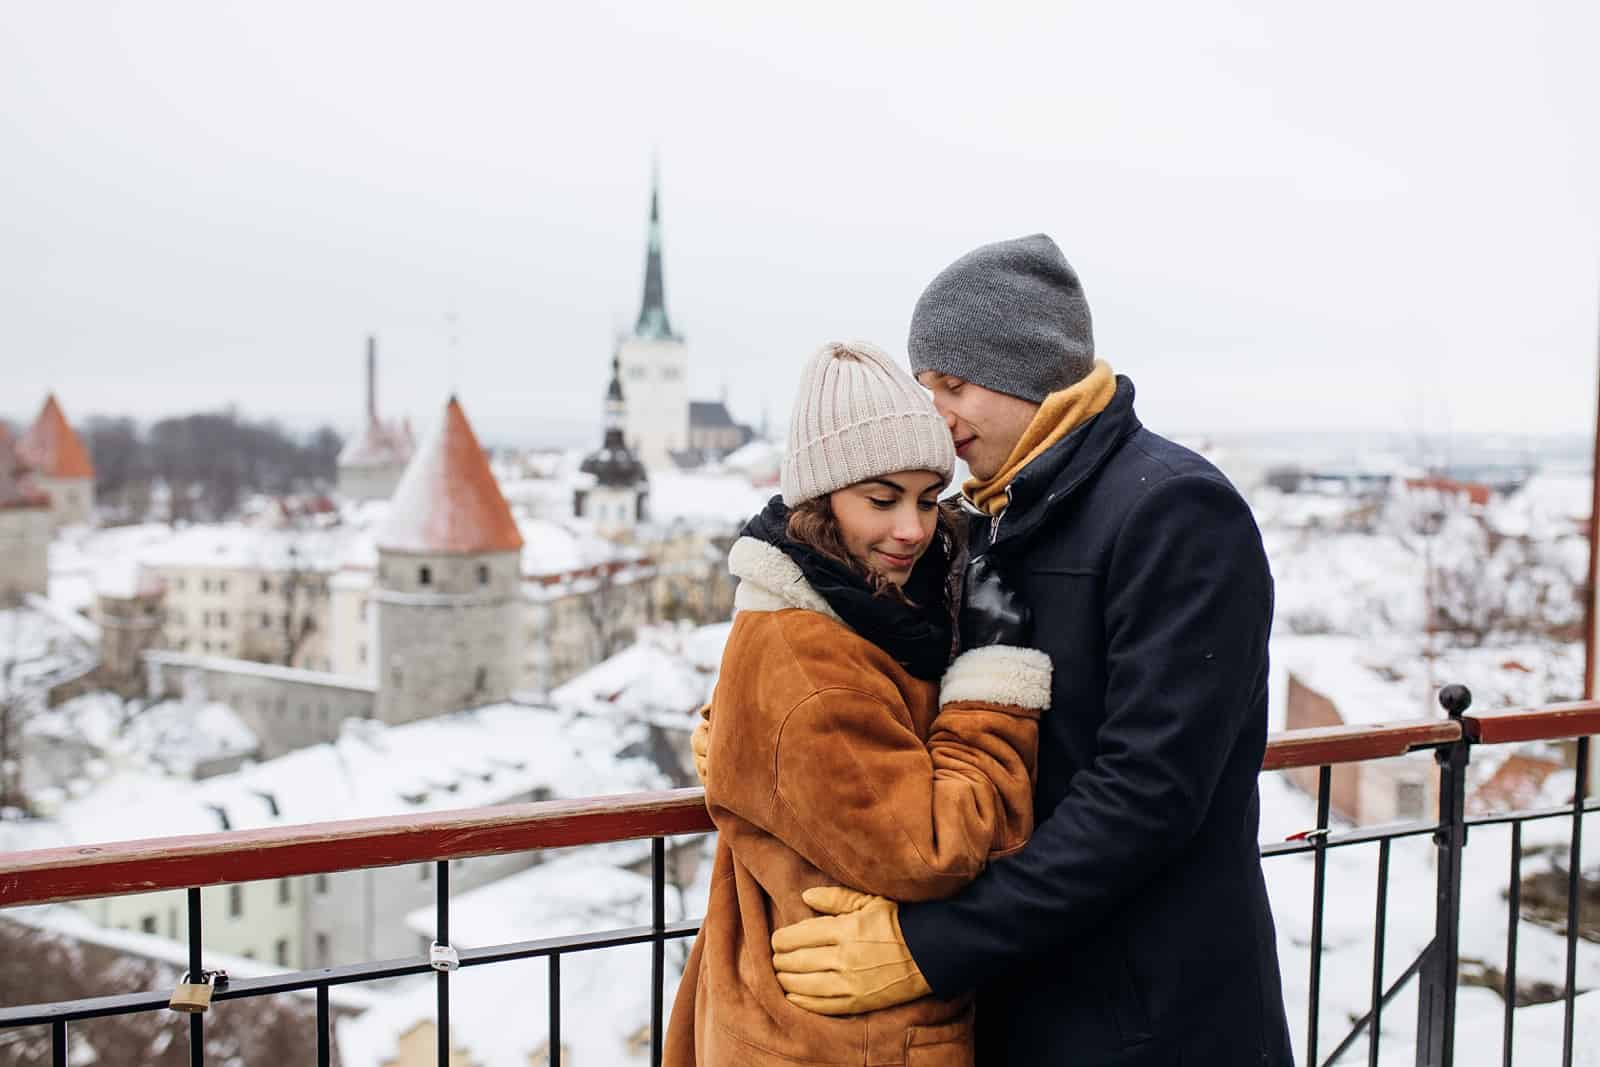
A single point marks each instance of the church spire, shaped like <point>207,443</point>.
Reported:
<point>652,322</point>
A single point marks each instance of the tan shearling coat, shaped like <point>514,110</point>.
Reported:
<point>831,765</point>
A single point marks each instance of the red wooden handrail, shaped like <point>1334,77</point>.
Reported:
<point>81,872</point>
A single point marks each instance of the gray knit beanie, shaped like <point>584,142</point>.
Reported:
<point>1010,316</point>
<point>859,415</point>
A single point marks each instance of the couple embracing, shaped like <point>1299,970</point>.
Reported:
<point>985,774</point>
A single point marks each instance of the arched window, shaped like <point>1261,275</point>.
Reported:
<point>424,575</point>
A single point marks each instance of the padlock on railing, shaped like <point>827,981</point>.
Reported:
<point>193,997</point>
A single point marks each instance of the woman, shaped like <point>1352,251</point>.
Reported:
<point>845,747</point>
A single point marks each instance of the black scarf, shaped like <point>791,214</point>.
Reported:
<point>917,635</point>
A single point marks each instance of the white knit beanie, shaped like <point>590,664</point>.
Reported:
<point>859,415</point>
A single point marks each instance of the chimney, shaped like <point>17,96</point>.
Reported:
<point>372,378</point>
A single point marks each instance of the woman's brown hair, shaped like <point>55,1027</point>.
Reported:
<point>814,525</point>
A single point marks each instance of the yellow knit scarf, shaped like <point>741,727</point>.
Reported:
<point>1061,413</point>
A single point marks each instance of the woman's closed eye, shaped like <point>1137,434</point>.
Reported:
<point>881,505</point>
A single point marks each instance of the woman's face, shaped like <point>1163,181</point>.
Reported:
<point>888,522</point>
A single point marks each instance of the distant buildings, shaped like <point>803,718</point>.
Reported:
<point>371,463</point>
<point>614,497</point>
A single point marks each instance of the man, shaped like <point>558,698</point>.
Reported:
<point>1134,926</point>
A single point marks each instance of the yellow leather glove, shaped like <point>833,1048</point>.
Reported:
<point>851,959</point>
<point>700,743</point>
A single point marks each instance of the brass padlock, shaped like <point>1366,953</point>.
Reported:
<point>193,997</point>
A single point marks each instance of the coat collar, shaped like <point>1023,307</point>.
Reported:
<point>1049,481</point>
<point>771,581</point>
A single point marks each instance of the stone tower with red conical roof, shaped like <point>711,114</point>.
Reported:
<point>449,581</point>
<point>61,465</point>
<point>24,528</point>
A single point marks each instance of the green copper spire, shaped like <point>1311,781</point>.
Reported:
<point>653,324</point>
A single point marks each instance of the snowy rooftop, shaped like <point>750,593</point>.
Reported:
<point>467,759</point>
<point>668,671</point>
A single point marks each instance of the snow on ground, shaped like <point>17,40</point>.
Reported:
<point>39,649</point>
<point>1349,923</point>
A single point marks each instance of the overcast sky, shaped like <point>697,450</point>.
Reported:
<point>1364,215</point>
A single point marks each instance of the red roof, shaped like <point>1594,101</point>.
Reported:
<point>52,448</point>
<point>447,500</point>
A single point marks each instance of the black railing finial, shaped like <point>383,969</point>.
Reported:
<point>1455,699</point>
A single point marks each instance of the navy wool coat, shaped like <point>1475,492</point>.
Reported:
<point>1134,928</point>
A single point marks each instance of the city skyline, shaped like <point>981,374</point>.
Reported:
<point>1280,222</point>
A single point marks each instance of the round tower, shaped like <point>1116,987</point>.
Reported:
<point>61,465</point>
<point>449,582</point>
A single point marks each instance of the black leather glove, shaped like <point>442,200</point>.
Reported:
<point>991,612</point>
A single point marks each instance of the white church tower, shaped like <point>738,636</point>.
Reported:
<point>655,363</point>
<point>614,500</point>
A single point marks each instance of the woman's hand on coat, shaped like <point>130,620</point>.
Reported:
<point>700,744</point>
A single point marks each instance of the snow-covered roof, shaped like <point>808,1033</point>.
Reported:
<point>448,500</point>
<point>467,759</point>
<point>174,736</point>
<point>668,671</point>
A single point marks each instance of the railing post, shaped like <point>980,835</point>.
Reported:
<point>1436,1007</point>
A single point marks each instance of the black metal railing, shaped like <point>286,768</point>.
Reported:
<point>69,874</point>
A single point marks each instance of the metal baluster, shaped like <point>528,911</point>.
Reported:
<point>555,1010</point>
<point>658,943</point>
<point>197,1020</point>
<point>1436,995</point>
<point>1574,901</point>
<point>442,979</point>
<point>323,1036</point>
<point>1513,922</point>
<point>58,1043</point>
<point>1319,878</point>
<point>1382,923</point>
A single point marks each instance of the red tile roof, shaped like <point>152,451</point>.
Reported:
<point>52,448</point>
<point>447,500</point>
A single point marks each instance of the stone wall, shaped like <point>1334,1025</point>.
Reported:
<point>286,707</point>
<point>24,553</point>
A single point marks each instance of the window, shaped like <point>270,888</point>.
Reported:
<point>222,618</point>
<point>205,618</point>
<point>424,872</point>
<point>483,574</point>
<point>235,901</point>
<point>205,585</point>
<point>322,950</point>
<point>1409,800</point>
<point>266,620</point>
<point>424,575</point>
<point>283,891</point>
<point>321,884</point>
<point>395,677</point>
<point>172,923</point>
<point>266,585</point>
<point>177,585</point>
<point>481,681</point>
<point>281,951</point>
<point>148,924</point>
<point>361,654</point>
<point>222,585</point>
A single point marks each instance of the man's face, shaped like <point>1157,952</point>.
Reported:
<point>985,425</point>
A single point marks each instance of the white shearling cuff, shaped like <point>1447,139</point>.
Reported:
<point>998,674</point>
